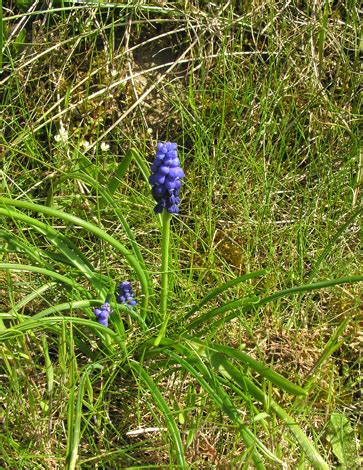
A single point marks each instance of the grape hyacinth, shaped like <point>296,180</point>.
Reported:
<point>125,294</point>
<point>166,178</point>
<point>102,313</point>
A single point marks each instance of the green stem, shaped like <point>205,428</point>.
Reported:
<point>165,241</point>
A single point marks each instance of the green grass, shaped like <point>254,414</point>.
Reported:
<point>262,99</point>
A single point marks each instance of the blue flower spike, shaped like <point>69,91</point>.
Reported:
<point>125,294</point>
<point>102,313</point>
<point>166,178</point>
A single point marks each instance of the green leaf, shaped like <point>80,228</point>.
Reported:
<point>143,167</point>
<point>107,198</point>
<point>54,237</point>
<point>48,365</point>
<point>58,240</point>
<point>331,243</point>
<point>259,367</point>
<point>2,35</point>
<point>28,298</point>
<point>45,272</point>
<point>229,371</point>
<point>335,341</point>
<point>342,439</point>
<point>75,417</point>
<point>164,408</point>
<point>119,173</point>
<point>13,244</point>
<point>246,304</point>
<point>32,324</point>
<point>224,287</point>
<point>209,382</point>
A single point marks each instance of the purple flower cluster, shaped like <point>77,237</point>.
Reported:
<point>165,178</point>
<point>102,313</point>
<point>125,294</point>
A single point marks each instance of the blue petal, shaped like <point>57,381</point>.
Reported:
<point>172,154</point>
<point>164,170</point>
<point>159,178</point>
<point>170,184</point>
<point>176,172</point>
<point>174,162</point>
<point>174,209</point>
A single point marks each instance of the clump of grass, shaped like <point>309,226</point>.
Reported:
<point>263,101</point>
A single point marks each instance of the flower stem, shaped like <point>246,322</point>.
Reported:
<point>165,241</point>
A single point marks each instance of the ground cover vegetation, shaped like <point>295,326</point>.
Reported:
<point>222,336</point>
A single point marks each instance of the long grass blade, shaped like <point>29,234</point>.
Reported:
<point>107,198</point>
<point>119,173</point>
<point>74,429</point>
<point>210,384</point>
<point>70,282</point>
<point>262,369</point>
<point>232,373</point>
<point>144,169</point>
<point>218,290</point>
<point>332,241</point>
<point>64,245</point>
<point>33,295</point>
<point>164,408</point>
<point>14,245</point>
<point>131,260</point>
<point>254,302</point>
<point>33,324</point>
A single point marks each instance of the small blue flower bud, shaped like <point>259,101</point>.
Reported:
<point>174,209</point>
<point>102,313</point>
<point>163,170</point>
<point>125,294</point>
<point>170,184</point>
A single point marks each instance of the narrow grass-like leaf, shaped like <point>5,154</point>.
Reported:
<point>215,390</point>
<point>262,369</point>
<point>61,242</point>
<point>14,245</point>
<point>165,410</point>
<point>74,430</point>
<point>231,372</point>
<point>332,345</point>
<point>254,302</point>
<point>78,304</point>
<point>331,243</point>
<point>145,171</point>
<point>2,35</point>
<point>45,272</point>
<point>72,378</point>
<point>211,385</point>
<point>84,304</point>
<point>48,365</point>
<point>132,261</point>
<point>32,324</point>
<point>247,303</point>
<point>119,173</point>
<point>215,292</point>
<point>28,298</point>
<point>107,198</point>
